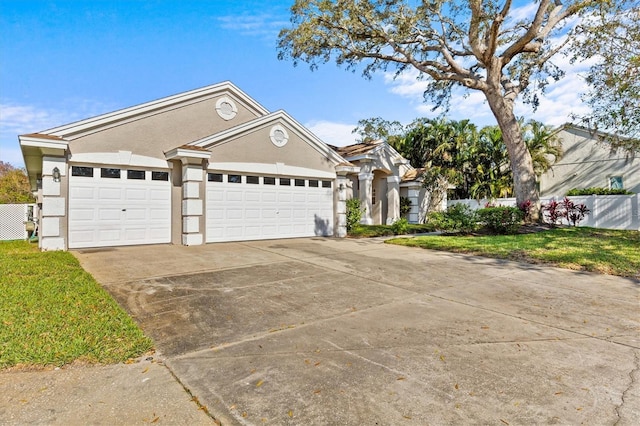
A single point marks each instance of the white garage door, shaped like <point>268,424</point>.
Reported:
<point>115,207</point>
<point>242,207</point>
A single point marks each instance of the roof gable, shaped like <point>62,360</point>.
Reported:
<point>116,118</point>
<point>278,117</point>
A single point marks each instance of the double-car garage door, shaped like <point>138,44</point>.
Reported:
<point>112,206</point>
<point>253,207</point>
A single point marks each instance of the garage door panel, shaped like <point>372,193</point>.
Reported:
<point>109,193</point>
<point>299,197</point>
<point>138,214</point>
<point>269,197</point>
<point>252,214</point>
<point>215,195</point>
<point>110,235</point>
<point>157,194</point>
<point>234,195</point>
<point>284,197</point>
<point>299,213</point>
<point>136,194</point>
<point>159,214</point>
<point>285,214</point>
<point>135,234</point>
<point>86,215</point>
<point>269,230</point>
<point>83,193</point>
<point>233,231</point>
<point>82,236</point>
<point>269,214</point>
<point>252,230</point>
<point>251,196</point>
<point>109,214</point>
<point>234,214</point>
<point>215,214</point>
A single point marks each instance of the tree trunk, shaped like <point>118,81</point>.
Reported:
<point>524,177</point>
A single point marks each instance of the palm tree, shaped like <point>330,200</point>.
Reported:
<point>544,145</point>
<point>492,176</point>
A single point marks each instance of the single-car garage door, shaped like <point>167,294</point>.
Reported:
<point>244,207</point>
<point>111,206</point>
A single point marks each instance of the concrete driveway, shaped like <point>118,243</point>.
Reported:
<point>353,332</point>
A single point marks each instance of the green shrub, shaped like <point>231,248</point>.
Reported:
<point>597,191</point>
<point>501,220</point>
<point>400,226</point>
<point>458,217</point>
<point>354,213</point>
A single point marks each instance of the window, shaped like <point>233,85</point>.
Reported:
<point>299,182</point>
<point>373,196</point>
<point>254,180</point>
<point>110,173</point>
<point>234,178</point>
<point>160,176</point>
<point>135,174</point>
<point>616,182</point>
<point>82,171</point>
<point>285,181</point>
<point>214,177</point>
<point>326,184</point>
<point>269,180</point>
<point>313,183</point>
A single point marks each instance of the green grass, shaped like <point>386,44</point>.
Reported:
<point>368,231</point>
<point>597,250</point>
<point>52,312</point>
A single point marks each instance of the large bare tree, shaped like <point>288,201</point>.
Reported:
<point>485,45</point>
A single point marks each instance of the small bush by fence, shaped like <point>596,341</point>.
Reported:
<point>606,211</point>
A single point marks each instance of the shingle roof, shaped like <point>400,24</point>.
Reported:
<point>356,149</point>
<point>43,136</point>
<point>413,175</point>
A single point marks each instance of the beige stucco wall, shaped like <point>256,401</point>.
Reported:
<point>164,130</point>
<point>256,147</point>
<point>587,163</point>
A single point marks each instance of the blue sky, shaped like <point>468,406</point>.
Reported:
<point>62,61</point>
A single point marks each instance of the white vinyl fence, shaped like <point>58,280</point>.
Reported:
<point>607,211</point>
<point>12,221</point>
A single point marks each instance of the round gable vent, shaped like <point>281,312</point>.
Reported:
<point>279,136</point>
<point>226,108</point>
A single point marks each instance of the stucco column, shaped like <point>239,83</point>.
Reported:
<point>192,205</point>
<point>54,204</point>
<point>393,199</point>
<point>343,190</point>
<point>194,167</point>
<point>340,199</point>
<point>413,193</point>
<point>366,179</point>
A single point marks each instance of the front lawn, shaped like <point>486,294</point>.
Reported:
<point>52,312</point>
<point>598,250</point>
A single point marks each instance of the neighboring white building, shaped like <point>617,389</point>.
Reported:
<point>586,163</point>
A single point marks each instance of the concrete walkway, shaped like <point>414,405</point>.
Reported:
<point>326,331</point>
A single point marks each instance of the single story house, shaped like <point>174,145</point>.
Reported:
<point>587,162</point>
<point>207,165</point>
